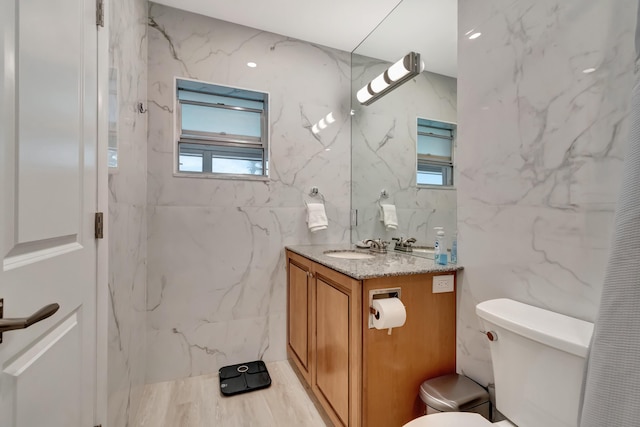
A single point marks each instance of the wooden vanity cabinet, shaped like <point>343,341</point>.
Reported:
<point>324,338</point>
<point>337,345</point>
<point>299,314</point>
<point>364,377</point>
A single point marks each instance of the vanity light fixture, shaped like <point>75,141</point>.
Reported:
<point>323,123</point>
<point>400,72</point>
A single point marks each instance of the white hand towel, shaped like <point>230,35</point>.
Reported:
<point>389,217</point>
<point>316,217</point>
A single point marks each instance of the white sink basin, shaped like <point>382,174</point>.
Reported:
<point>349,255</point>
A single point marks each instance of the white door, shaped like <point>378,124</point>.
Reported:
<point>48,197</point>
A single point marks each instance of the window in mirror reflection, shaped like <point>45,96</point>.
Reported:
<point>435,152</point>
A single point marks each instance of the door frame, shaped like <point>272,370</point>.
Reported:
<point>102,245</point>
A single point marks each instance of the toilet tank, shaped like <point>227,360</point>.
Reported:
<point>539,361</point>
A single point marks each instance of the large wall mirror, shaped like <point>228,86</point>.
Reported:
<point>386,163</point>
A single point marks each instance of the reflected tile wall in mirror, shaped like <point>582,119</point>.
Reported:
<point>383,144</point>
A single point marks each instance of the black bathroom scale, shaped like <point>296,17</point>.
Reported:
<point>244,377</point>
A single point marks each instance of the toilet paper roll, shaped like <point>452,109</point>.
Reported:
<point>391,311</point>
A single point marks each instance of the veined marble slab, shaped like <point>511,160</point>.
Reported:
<point>216,276</point>
<point>127,227</point>
<point>543,101</point>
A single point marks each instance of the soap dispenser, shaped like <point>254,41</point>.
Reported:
<point>440,247</point>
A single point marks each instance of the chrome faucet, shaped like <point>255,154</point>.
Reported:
<point>404,245</point>
<point>378,246</point>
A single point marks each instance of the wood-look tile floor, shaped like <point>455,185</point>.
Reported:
<point>197,402</point>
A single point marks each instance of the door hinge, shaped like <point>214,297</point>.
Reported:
<point>1,313</point>
<point>99,225</point>
<point>100,13</point>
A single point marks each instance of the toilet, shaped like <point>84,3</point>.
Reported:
<point>539,362</point>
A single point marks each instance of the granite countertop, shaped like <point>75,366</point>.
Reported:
<point>390,264</point>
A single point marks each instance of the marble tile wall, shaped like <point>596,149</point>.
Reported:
<point>127,225</point>
<point>540,149</point>
<point>216,276</point>
<point>384,155</point>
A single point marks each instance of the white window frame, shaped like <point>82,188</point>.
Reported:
<point>435,163</point>
<point>226,140</point>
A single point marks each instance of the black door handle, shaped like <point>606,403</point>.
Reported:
<point>25,322</point>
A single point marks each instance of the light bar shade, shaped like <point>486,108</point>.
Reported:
<point>398,70</point>
<point>364,95</point>
<point>403,70</point>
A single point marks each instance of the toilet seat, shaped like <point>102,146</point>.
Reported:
<point>454,419</point>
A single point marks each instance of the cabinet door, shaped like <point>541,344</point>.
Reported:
<point>332,347</point>
<point>298,321</point>
<point>395,365</point>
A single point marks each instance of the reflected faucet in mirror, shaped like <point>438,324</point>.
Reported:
<point>404,245</point>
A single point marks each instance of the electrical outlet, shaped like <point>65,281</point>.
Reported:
<point>443,284</point>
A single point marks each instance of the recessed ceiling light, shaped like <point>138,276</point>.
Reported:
<point>474,36</point>
<point>588,70</point>
<point>252,64</point>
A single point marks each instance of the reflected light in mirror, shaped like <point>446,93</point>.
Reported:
<point>329,118</point>
<point>323,123</point>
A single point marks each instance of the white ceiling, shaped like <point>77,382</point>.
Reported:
<point>428,27</point>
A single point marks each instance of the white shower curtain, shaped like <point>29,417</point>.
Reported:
<point>612,385</point>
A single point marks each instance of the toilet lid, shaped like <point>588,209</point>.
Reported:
<point>450,419</point>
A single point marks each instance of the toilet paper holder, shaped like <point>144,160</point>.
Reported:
<point>380,293</point>
<point>375,312</point>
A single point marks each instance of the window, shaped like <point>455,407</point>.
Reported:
<point>435,152</point>
<point>222,131</point>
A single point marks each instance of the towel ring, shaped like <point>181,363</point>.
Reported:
<point>316,194</point>
<point>383,196</point>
